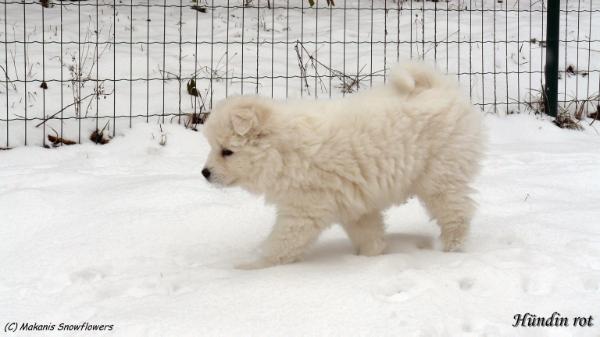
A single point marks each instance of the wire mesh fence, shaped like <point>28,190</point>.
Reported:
<point>82,71</point>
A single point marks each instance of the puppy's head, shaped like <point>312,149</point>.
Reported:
<point>238,131</point>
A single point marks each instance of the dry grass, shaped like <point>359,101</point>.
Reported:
<point>565,120</point>
<point>58,141</point>
<point>538,102</point>
<point>572,114</point>
<point>193,119</point>
<point>98,136</point>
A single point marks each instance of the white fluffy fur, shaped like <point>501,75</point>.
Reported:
<point>346,160</point>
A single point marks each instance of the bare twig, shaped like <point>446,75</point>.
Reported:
<point>349,83</point>
<point>302,67</point>
<point>63,109</point>
<point>14,87</point>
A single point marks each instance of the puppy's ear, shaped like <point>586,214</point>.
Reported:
<point>250,119</point>
<point>243,121</point>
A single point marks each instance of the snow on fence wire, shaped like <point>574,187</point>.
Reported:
<point>85,70</point>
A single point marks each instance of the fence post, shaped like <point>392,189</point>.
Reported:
<point>551,68</point>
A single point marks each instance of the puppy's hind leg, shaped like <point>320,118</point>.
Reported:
<point>453,211</point>
<point>367,233</point>
<point>289,239</point>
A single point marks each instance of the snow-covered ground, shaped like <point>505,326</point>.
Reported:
<point>130,234</point>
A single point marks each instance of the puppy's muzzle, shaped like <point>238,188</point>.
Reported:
<point>206,173</point>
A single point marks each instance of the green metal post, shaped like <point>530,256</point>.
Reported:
<point>551,68</point>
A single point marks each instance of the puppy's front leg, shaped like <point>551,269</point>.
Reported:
<point>289,239</point>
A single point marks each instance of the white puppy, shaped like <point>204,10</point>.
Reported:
<point>346,160</point>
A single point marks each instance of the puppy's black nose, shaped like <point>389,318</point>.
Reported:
<point>206,173</point>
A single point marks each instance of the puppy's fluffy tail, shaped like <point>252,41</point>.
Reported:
<point>413,77</point>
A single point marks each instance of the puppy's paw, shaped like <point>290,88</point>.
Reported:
<point>452,245</point>
<point>372,248</point>
<point>254,264</point>
<point>452,240</point>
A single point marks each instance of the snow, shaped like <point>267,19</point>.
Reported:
<point>130,234</point>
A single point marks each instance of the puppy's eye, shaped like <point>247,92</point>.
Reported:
<point>226,152</point>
